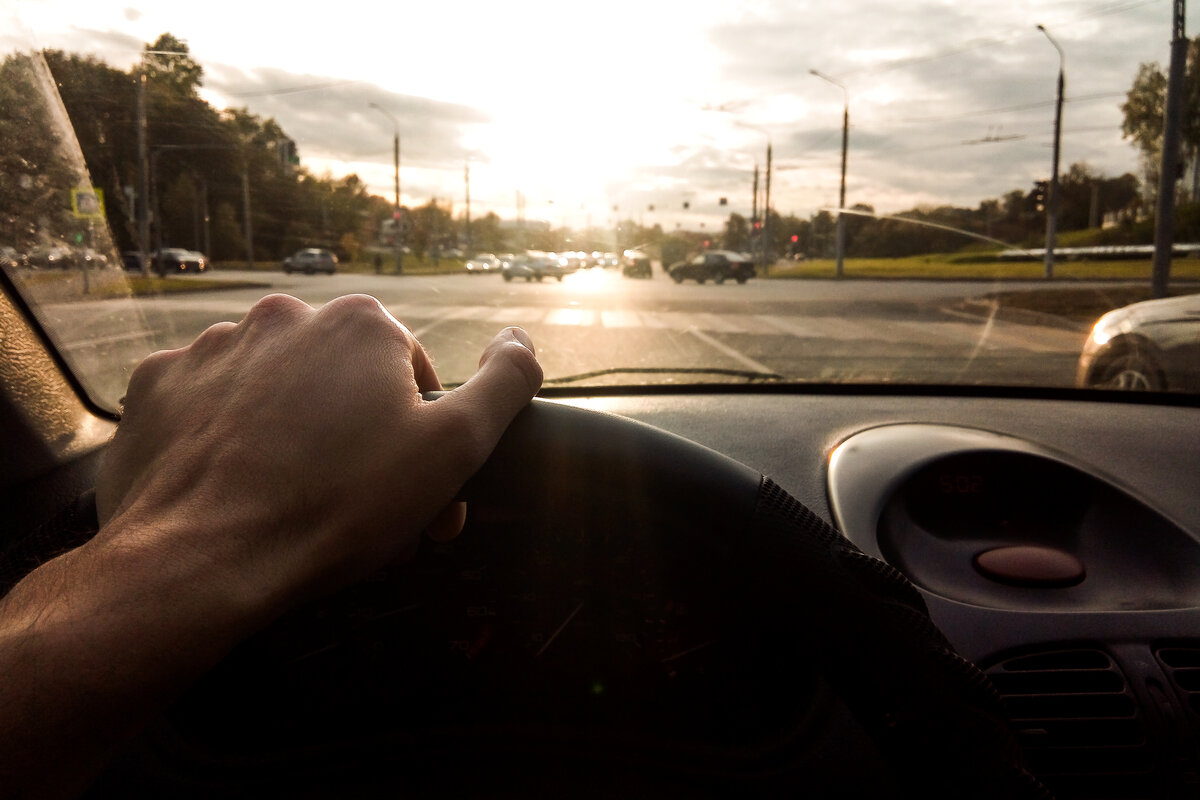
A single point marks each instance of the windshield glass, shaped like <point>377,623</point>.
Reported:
<point>687,193</point>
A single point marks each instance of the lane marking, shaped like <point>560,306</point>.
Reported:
<point>554,635</point>
<point>741,358</point>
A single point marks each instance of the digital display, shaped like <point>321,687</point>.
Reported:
<point>997,493</point>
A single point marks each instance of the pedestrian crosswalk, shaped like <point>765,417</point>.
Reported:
<point>942,332</point>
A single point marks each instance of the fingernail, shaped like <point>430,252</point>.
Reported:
<point>522,337</point>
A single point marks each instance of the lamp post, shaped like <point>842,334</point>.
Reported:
<point>841,220</point>
<point>1052,200</point>
<point>396,160</point>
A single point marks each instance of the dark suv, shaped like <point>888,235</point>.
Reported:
<point>310,260</point>
<point>718,265</point>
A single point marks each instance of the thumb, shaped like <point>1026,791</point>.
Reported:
<point>509,376</point>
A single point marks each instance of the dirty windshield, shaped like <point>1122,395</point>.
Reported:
<point>936,193</point>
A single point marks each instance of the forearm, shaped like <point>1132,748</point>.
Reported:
<point>97,641</point>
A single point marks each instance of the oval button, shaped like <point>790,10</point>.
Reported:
<point>1030,565</point>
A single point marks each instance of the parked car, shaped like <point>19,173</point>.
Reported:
<point>172,260</point>
<point>532,267</point>
<point>484,262</point>
<point>310,260</point>
<point>1149,346</point>
<point>50,257</point>
<point>717,266</point>
<point>636,265</point>
<point>10,258</point>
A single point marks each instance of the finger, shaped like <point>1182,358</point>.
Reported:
<point>476,414</point>
<point>423,371</point>
<point>448,523</point>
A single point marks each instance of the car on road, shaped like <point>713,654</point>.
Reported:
<point>311,260</point>
<point>636,264</point>
<point>483,263</point>
<point>1153,345</point>
<point>533,267</point>
<point>174,260</point>
<point>717,266</point>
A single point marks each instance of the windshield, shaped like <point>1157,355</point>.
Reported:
<point>929,193</point>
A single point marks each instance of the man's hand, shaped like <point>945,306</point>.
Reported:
<point>269,460</point>
<point>306,431</point>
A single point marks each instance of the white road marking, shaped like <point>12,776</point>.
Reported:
<point>572,316</point>
<point>741,358</point>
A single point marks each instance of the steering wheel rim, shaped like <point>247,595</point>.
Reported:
<point>932,714</point>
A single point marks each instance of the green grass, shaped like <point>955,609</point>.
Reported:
<point>947,267</point>
<point>66,285</point>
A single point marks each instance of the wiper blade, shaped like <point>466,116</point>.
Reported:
<point>752,376</point>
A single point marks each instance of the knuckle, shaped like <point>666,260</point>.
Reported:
<point>274,308</point>
<point>213,336</point>
<point>354,305</point>
<point>150,371</point>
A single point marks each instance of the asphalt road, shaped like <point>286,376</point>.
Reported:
<point>630,331</point>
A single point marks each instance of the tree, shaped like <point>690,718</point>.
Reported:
<point>180,73</point>
<point>36,172</point>
<point>737,233</point>
<point>1144,107</point>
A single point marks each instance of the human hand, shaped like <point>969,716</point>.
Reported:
<point>296,446</point>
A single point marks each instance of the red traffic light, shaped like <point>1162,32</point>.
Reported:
<point>795,238</point>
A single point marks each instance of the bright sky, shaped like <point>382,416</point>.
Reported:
<point>639,103</point>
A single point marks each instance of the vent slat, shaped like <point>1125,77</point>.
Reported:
<point>1077,721</point>
<point>1059,706</point>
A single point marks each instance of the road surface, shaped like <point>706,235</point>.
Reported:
<point>611,329</point>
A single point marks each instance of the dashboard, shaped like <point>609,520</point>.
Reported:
<point>1053,538</point>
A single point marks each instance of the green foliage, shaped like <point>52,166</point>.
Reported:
<point>37,169</point>
<point>201,158</point>
<point>1144,108</point>
<point>737,233</point>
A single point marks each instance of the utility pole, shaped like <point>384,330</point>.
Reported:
<point>467,180</point>
<point>841,220</point>
<point>766,228</point>
<point>396,222</point>
<point>1052,200</point>
<point>143,200</point>
<point>246,214</point>
<point>754,213</point>
<point>1165,214</point>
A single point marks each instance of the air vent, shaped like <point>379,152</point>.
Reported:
<point>1078,723</point>
<point>1182,665</point>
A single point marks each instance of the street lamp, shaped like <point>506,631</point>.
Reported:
<point>841,220</point>
<point>1052,200</point>
<point>396,159</point>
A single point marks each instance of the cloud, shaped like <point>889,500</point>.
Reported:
<point>924,83</point>
<point>333,118</point>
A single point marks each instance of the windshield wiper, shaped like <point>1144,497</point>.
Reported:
<point>752,376</point>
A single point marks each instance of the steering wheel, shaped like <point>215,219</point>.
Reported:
<point>625,611</point>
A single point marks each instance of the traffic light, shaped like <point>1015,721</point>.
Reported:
<point>724,201</point>
<point>795,238</point>
<point>1039,195</point>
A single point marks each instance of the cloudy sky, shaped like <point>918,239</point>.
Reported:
<point>638,103</point>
